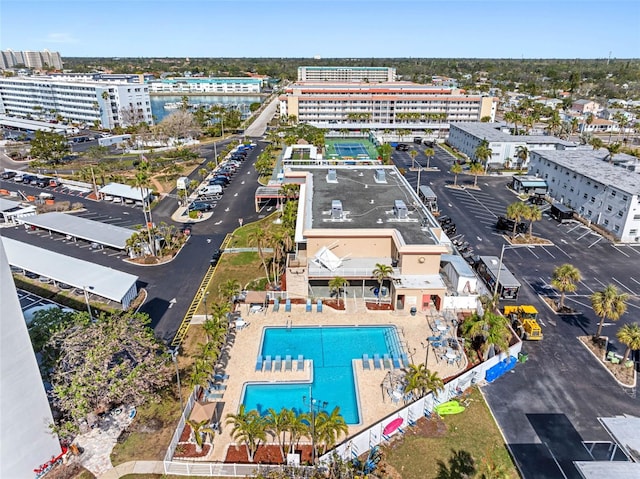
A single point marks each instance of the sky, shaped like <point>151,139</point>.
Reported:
<point>325,28</point>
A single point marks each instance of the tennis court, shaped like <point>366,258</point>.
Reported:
<point>350,151</point>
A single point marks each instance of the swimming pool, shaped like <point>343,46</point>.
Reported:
<point>332,350</point>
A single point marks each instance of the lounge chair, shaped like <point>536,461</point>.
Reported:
<point>308,307</point>
<point>277,363</point>
<point>365,362</point>
<point>404,360</point>
<point>319,306</point>
<point>287,306</point>
<point>386,361</point>
<point>217,387</point>
<point>377,364</point>
<point>223,377</point>
<point>267,364</point>
<point>288,364</point>
<point>300,363</point>
<point>396,361</point>
<point>276,305</point>
<point>259,364</point>
<point>214,395</point>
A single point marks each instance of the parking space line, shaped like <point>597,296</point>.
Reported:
<point>595,242</point>
<point>619,250</point>
<point>582,236</point>
<point>585,285</point>
<point>634,280</point>
<point>596,279</point>
<point>547,251</point>
<point>624,286</point>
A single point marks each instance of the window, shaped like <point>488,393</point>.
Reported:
<point>636,217</point>
<point>633,231</point>
<point>613,193</point>
<point>589,213</point>
<point>616,228</point>
<point>585,196</point>
<point>620,213</point>
<point>609,208</point>
<point>593,199</point>
<point>606,222</point>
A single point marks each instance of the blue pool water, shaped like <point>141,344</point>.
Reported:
<point>332,349</point>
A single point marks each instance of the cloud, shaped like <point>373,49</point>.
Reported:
<point>60,38</point>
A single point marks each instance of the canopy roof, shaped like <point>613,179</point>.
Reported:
<point>100,280</point>
<point>125,191</point>
<point>202,411</point>
<point>327,259</point>
<point>94,231</point>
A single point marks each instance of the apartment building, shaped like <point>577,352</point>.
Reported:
<point>605,194</point>
<point>383,106</point>
<point>466,137</point>
<point>347,74</point>
<point>30,59</point>
<point>108,104</point>
<point>351,219</point>
<point>207,85</point>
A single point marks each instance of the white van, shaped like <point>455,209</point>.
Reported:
<point>210,190</point>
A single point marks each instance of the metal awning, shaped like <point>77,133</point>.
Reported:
<point>88,230</point>
<point>125,191</point>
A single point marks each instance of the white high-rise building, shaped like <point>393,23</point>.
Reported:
<point>30,59</point>
<point>26,441</point>
<point>108,103</point>
<point>347,74</point>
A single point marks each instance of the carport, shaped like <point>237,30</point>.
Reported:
<point>126,192</point>
<point>528,184</point>
<point>11,210</point>
<point>82,228</point>
<point>266,193</point>
<point>89,277</point>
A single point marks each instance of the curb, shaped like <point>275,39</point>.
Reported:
<point>601,363</point>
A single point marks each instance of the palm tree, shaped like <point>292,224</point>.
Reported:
<point>296,428</point>
<point>596,143</point>
<point>420,380</point>
<point>429,152</point>
<point>413,154</point>
<point>141,180</point>
<point>277,425</point>
<point>219,311</point>
<point>522,153</point>
<point>532,213</point>
<point>629,335</point>
<point>198,431</point>
<point>249,428</point>
<point>476,169</point>
<point>200,372</point>
<point>337,284</point>
<point>260,238</point>
<point>608,304</point>
<point>381,272</point>
<point>329,427</point>
<point>515,212</point>
<point>487,331</point>
<point>456,169</point>
<point>229,289</point>
<point>613,149</point>
<point>483,153</point>
<point>564,279</point>
<point>215,330</point>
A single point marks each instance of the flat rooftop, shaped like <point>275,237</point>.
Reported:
<point>492,133</point>
<point>368,203</point>
<point>591,165</point>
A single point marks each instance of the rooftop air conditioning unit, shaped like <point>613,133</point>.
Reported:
<point>332,176</point>
<point>400,209</point>
<point>380,176</point>
<point>336,209</point>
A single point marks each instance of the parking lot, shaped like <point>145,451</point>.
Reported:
<point>548,407</point>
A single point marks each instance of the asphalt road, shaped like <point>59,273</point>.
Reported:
<point>178,279</point>
<point>549,405</point>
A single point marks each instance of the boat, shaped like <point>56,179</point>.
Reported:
<point>448,408</point>
<point>172,105</point>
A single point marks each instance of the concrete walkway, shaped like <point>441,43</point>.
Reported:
<point>134,467</point>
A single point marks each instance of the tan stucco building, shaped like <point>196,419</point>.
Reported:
<point>351,219</point>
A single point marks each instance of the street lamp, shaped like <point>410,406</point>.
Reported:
<point>206,313</point>
<point>174,358</point>
<point>86,299</point>
<point>418,183</point>
<point>504,247</point>
<point>313,405</point>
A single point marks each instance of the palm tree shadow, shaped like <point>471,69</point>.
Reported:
<point>460,465</point>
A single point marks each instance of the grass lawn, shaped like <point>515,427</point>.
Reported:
<point>148,436</point>
<point>474,432</point>
<point>450,150</point>
<point>240,237</point>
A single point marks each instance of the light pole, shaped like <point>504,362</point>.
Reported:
<point>313,404</point>
<point>504,247</point>
<point>418,183</point>
<point>174,358</point>
<point>206,313</point>
<point>86,299</point>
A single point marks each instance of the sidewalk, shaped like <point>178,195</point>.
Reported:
<point>179,216</point>
<point>134,467</point>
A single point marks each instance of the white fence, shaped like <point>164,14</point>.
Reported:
<point>354,446</point>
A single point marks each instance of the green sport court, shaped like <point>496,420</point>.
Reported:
<point>350,150</point>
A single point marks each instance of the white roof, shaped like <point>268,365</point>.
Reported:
<point>6,205</point>
<point>94,231</point>
<point>124,191</point>
<point>106,282</point>
<point>327,259</point>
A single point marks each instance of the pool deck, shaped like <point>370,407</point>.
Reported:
<point>374,403</point>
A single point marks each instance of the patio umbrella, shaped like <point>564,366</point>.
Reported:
<point>202,411</point>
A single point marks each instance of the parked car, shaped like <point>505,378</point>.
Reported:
<point>54,183</point>
<point>215,257</point>
<point>27,179</point>
<point>221,177</point>
<point>43,182</point>
<point>7,175</point>
<point>195,206</point>
<point>402,147</point>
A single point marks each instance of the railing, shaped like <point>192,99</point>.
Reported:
<point>183,419</point>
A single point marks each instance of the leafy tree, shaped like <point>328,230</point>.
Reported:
<point>608,304</point>
<point>385,150</point>
<point>49,147</point>
<point>249,428</point>
<point>111,361</point>
<point>487,330</point>
<point>337,284</point>
<point>179,124</point>
<point>46,323</point>
<point>456,169</point>
<point>629,335</point>
<point>564,279</point>
<point>229,289</point>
